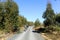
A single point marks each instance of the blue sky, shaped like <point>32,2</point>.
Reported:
<point>33,9</point>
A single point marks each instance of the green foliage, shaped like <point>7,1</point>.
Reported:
<point>1,17</point>
<point>22,21</point>
<point>30,23</point>
<point>58,18</point>
<point>10,21</point>
<point>49,15</point>
<point>12,11</point>
<point>9,16</point>
<point>37,23</point>
<point>52,21</point>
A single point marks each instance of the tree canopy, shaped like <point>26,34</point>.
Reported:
<point>49,15</point>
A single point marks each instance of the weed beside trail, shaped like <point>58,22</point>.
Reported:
<point>53,36</point>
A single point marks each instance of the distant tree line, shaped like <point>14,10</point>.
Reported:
<point>37,23</point>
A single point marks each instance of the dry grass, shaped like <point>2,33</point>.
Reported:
<point>22,29</point>
<point>52,36</point>
<point>5,36</point>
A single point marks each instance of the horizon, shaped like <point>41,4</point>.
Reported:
<point>33,9</point>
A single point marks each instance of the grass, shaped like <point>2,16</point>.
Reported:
<point>54,35</point>
<point>4,35</point>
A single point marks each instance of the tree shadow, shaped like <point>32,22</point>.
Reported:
<point>41,30</point>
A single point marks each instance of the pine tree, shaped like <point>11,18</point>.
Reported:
<point>49,15</point>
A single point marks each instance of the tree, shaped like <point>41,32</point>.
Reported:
<point>22,21</point>
<point>57,19</point>
<point>9,15</point>
<point>49,15</point>
<point>37,23</point>
<point>1,16</point>
<point>30,23</point>
<point>12,15</point>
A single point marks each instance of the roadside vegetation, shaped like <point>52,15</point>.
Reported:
<point>37,23</point>
<point>10,20</point>
<point>51,24</point>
